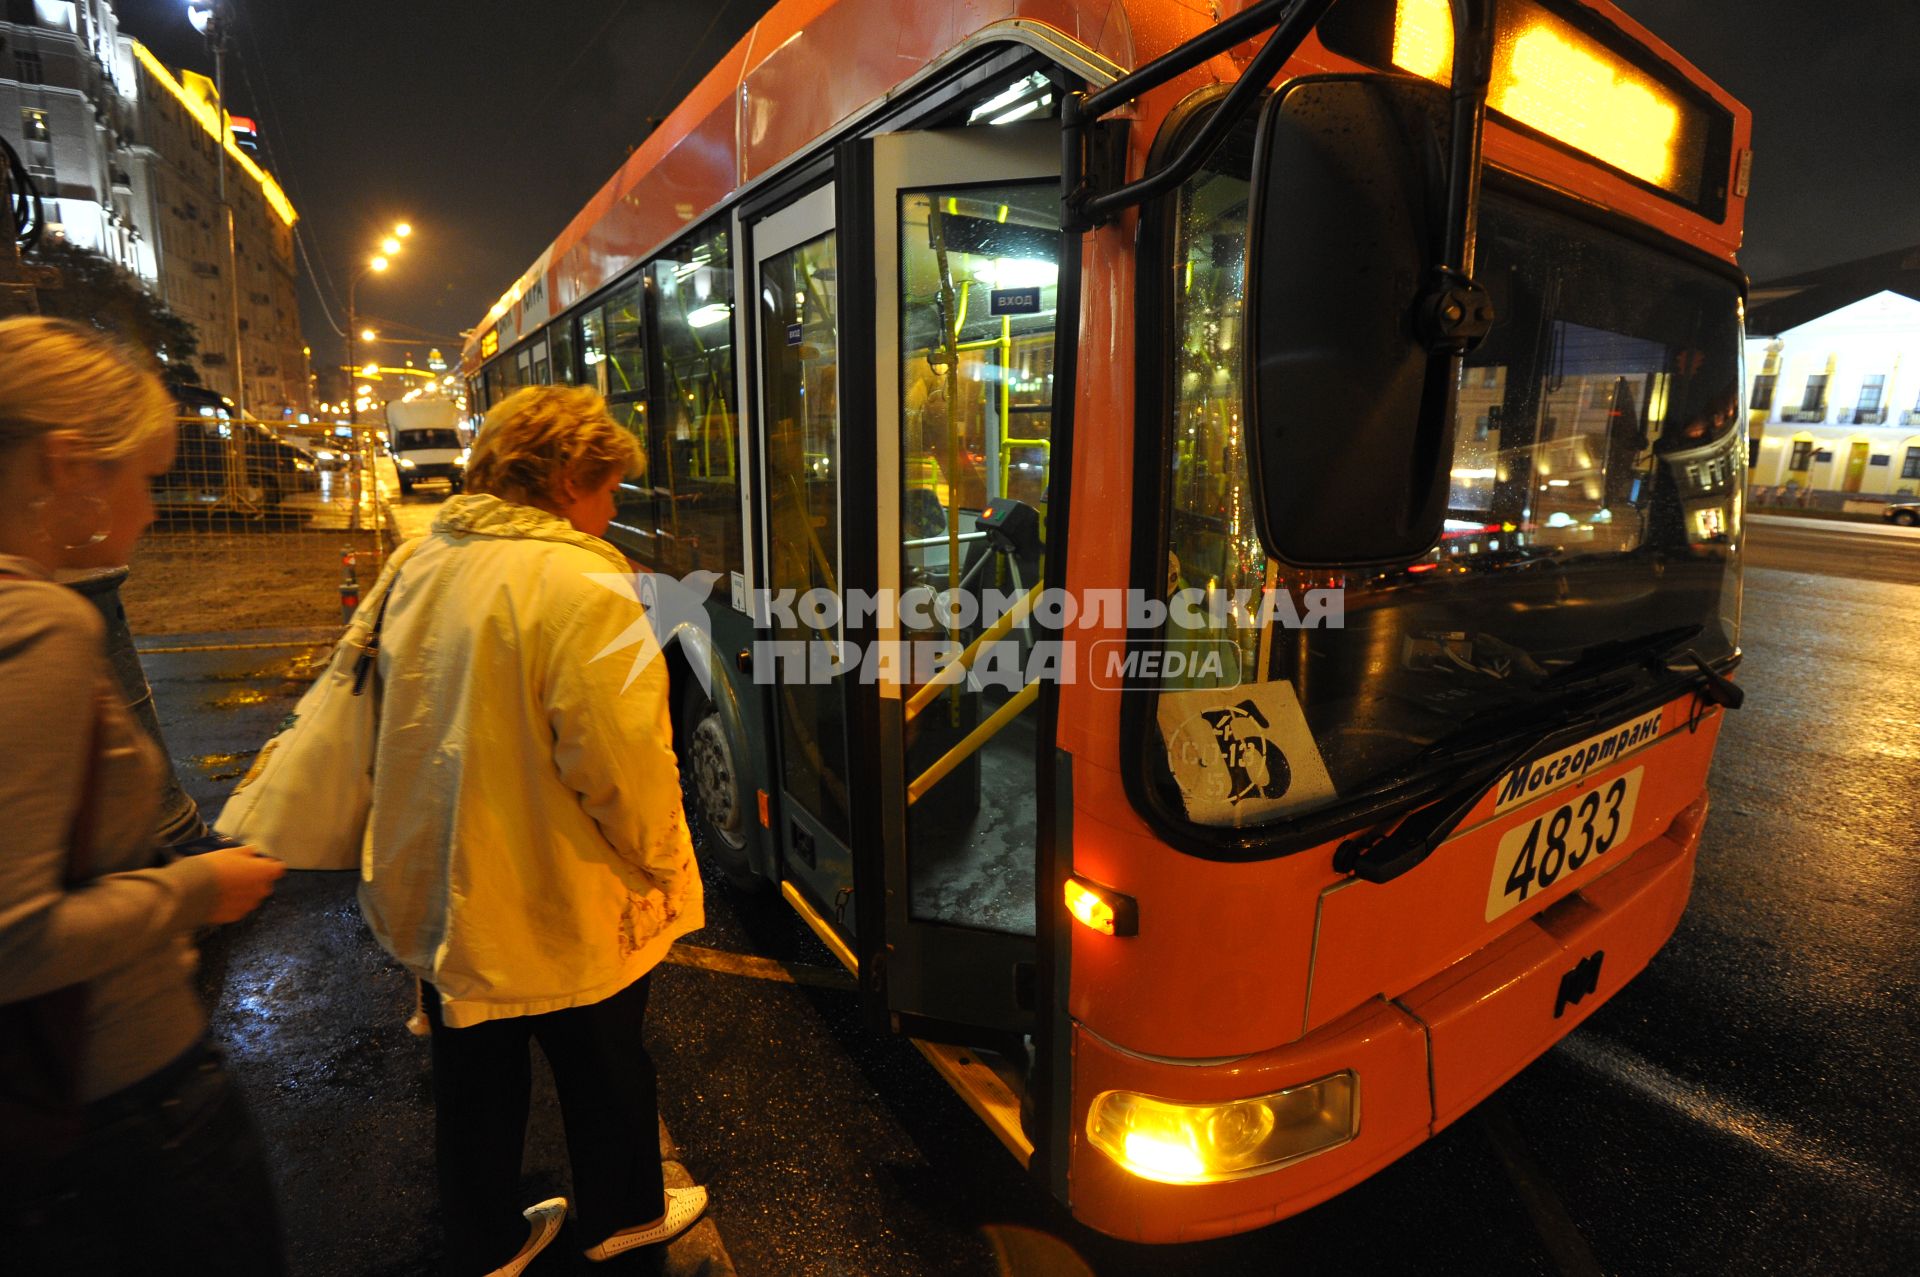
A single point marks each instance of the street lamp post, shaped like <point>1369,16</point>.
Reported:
<point>205,17</point>
<point>378,263</point>
<point>375,265</point>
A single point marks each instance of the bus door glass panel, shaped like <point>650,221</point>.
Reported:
<point>978,283</point>
<point>564,372</point>
<point>621,375</point>
<point>698,471</point>
<point>593,349</point>
<point>800,421</point>
<point>967,236</point>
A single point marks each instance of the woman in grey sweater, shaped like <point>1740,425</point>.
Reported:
<point>123,1147</point>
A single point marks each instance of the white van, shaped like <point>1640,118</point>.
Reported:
<point>433,453</point>
<point>424,436</point>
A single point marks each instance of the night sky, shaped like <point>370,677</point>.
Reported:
<point>488,123</point>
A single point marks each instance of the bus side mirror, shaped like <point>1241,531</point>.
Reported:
<point>1349,423</point>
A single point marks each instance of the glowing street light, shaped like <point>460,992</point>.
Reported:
<point>389,249</point>
<point>367,334</point>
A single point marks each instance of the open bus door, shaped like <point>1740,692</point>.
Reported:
<point>906,817</point>
<point>966,232</point>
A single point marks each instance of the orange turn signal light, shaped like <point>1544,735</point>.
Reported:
<point>1102,908</point>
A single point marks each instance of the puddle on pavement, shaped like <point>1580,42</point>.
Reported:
<point>300,667</point>
<point>242,698</point>
<point>223,766</point>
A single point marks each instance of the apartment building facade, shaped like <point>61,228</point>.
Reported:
<point>126,154</point>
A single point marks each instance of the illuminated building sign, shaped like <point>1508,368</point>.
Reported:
<point>200,107</point>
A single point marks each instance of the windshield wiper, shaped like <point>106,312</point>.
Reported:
<point>1573,696</point>
<point>1381,856</point>
<point>1604,658</point>
<point>1653,651</point>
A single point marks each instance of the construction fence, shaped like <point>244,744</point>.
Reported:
<point>261,530</point>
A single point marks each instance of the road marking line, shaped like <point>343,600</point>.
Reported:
<point>756,968</point>
<point>1551,1221</point>
<point>1699,1104</point>
<point>232,647</point>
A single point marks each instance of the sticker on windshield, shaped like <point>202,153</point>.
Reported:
<point>1540,776</point>
<point>1245,757</point>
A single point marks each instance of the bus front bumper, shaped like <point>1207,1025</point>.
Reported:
<point>1419,1060</point>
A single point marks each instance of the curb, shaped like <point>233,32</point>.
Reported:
<point>698,1252</point>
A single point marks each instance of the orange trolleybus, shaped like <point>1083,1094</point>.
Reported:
<point>1345,394</point>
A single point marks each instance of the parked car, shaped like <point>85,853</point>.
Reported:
<point>1907,515</point>
<point>225,460</point>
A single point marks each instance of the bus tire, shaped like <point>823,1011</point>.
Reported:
<point>717,790</point>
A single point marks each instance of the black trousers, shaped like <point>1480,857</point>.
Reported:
<point>166,1177</point>
<point>609,1102</point>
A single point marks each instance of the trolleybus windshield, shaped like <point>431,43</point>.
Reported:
<point>1595,497</point>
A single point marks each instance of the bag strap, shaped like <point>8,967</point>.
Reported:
<point>365,663</point>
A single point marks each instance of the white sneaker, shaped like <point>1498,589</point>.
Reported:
<point>684,1207</point>
<point>543,1224</point>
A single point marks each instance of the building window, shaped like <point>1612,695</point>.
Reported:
<point>1871,390</point>
<point>27,68</point>
<point>1815,398</point>
<point>1753,453</point>
<point>1802,454</point>
<point>1910,468</point>
<point>33,126</point>
<point>1763,392</point>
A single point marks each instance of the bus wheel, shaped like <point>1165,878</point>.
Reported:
<point>719,792</point>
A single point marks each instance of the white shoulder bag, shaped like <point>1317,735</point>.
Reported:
<point>306,798</point>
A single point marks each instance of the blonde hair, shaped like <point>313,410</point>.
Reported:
<point>58,377</point>
<point>539,435</point>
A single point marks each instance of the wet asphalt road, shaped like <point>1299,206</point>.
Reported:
<point>1747,1105</point>
<point>1875,551</point>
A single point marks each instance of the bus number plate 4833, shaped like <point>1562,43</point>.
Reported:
<point>1562,842</point>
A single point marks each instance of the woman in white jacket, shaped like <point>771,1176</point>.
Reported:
<point>528,857</point>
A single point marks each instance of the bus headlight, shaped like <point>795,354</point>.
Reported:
<point>1177,1143</point>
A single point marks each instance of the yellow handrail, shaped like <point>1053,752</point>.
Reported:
<point>964,662</point>
<point>974,740</point>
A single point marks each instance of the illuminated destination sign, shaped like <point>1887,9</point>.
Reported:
<point>490,343</point>
<point>1563,80</point>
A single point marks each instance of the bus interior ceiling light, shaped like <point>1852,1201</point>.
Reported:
<point>1177,1143</point>
<point>1551,76</point>
<point>1102,908</point>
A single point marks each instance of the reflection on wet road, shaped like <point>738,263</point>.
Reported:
<point>1747,1105</point>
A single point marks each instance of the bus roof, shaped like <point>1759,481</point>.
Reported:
<point>811,66</point>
